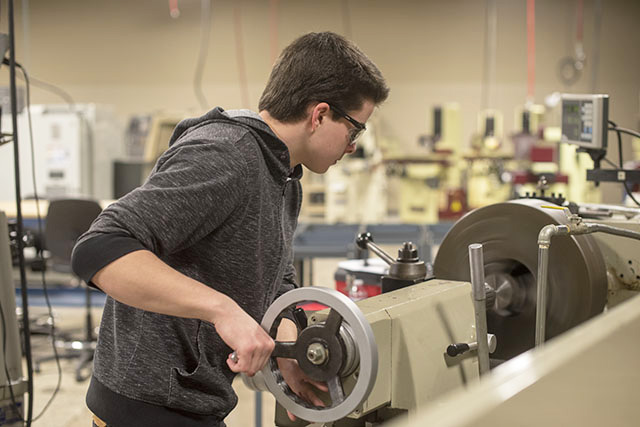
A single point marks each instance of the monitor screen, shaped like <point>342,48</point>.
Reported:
<point>583,121</point>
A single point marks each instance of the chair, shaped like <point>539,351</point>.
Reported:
<point>66,220</point>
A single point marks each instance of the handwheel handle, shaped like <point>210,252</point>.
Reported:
<point>285,349</point>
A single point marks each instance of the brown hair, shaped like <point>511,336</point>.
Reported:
<point>321,67</point>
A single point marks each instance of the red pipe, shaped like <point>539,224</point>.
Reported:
<point>580,23</point>
<point>531,48</point>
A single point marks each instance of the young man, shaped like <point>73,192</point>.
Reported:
<point>192,259</point>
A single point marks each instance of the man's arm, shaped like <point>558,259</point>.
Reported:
<point>140,279</point>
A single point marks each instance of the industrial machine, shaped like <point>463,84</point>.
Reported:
<point>354,190</point>
<point>387,356</point>
<point>587,377</point>
<point>487,162</point>
<point>12,384</point>
<point>446,190</point>
<point>535,162</point>
<point>586,272</point>
<point>74,147</point>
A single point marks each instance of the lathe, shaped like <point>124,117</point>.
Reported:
<point>384,357</point>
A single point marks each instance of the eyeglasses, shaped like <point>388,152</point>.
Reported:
<point>358,127</point>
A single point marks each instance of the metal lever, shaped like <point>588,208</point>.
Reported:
<point>406,267</point>
<point>365,241</point>
<point>454,350</point>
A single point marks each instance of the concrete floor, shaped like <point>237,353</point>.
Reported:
<point>68,408</point>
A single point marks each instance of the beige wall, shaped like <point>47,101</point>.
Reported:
<point>132,54</point>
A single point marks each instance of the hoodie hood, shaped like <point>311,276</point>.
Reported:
<point>274,150</point>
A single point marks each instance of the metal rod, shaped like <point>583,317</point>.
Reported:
<point>382,254</point>
<point>476,263</point>
<point>258,413</point>
<point>609,229</point>
<point>624,210</point>
<point>544,242</point>
<point>541,305</point>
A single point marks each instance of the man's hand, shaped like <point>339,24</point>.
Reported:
<point>238,330</point>
<point>300,384</point>
<point>297,381</point>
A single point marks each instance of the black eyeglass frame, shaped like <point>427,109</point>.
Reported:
<point>360,127</point>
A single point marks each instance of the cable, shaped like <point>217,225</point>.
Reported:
<point>40,232</point>
<point>580,23</point>
<point>346,19</point>
<point>273,29</point>
<point>242,69</point>
<point>489,59</point>
<point>625,130</point>
<point>595,49</point>
<point>610,163</point>
<point>67,97</point>
<point>81,116</point>
<point>19,226</point>
<point>205,29</point>
<point>54,89</point>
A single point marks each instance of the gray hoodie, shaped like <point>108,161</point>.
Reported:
<point>221,207</point>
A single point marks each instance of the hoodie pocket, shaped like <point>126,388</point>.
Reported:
<point>204,390</point>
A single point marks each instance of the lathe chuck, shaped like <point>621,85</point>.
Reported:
<point>509,233</point>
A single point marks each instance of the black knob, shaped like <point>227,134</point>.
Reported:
<point>300,317</point>
<point>455,349</point>
<point>362,239</point>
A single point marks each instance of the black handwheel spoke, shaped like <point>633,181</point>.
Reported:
<point>283,349</point>
<point>335,390</point>
<point>334,320</point>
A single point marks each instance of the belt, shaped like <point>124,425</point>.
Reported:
<point>98,422</point>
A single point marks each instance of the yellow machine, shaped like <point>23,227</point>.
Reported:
<point>486,162</point>
<point>377,185</point>
<point>446,139</point>
<point>353,191</point>
<point>535,166</point>
<point>421,182</point>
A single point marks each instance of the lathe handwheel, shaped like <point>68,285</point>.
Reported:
<point>328,361</point>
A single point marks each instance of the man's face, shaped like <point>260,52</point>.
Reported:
<point>332,139</point>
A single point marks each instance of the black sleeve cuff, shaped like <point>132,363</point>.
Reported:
<point>91,255</point>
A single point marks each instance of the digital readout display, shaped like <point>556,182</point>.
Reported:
<point>577,121</point>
